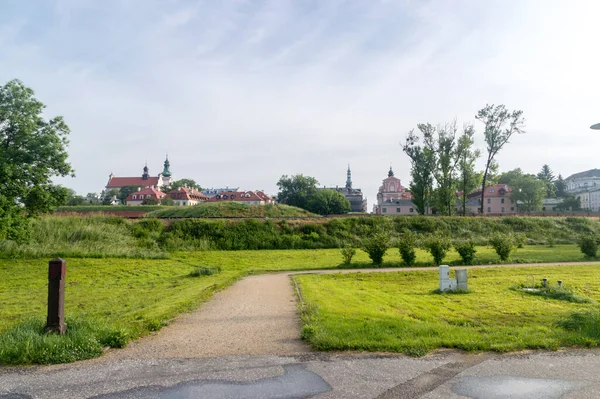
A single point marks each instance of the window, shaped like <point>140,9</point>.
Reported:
<point>543,208</point>
<point>397,210</point>
<point>512,208</point>
<point>502,200</point>
<point>502,209</point>
<point>489,200</point>
<point>148,196</point>
<point>411,210</point>
<point>232,196</point>
<point>491,190</point>
<point>384,210</point>
<point>489,209</point>
<point>224,196</point>
<point>134,196</point>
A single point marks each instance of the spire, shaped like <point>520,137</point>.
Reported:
<point>349,178</point>
<point>391,172</point>
<point>166,172</point>
<point>146,174</point>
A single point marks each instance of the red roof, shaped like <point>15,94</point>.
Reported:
<point>118,182</point>
<point>494,190</point>
<point>185,193</point>
<point>239,196</point>
<point>143,194</point>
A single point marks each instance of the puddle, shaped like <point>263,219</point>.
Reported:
<point>295,383</point>
<point>501,387</point>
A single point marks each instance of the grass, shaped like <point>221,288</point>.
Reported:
<point>127,298</point>
<point>75,236</point>
<point>232,210</point>
<point>399,312</point>
<point>107,208</point>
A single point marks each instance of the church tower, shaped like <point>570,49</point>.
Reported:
<point>165,176</point>
<point>348,178</point>
<point>166,172</point>
<point>145,175</point>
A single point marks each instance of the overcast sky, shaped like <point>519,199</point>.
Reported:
<point>241,92</point>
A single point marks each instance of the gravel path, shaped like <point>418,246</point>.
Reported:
<point>257,315</point>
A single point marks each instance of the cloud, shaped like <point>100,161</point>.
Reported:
<point>241,92</point>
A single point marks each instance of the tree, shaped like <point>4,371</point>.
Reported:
<point>108,196</point>
<point>422,161</point>
<point>447,157</point>
<point>468,178</point>
<point>560,187</point>
<point>507,177</point>
<point>166,200</point>
<point>32,151</point>
<point>329,202</point>
<point>190,183</point>
<point>150,201</point>
<point>73,199</point>
<point>500,126</point>
<point>296,190</point>
<point>547,176</point>
<point>529,191</point>
<point>570,202</point>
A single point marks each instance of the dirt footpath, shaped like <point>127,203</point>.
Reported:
<point>255,316</point>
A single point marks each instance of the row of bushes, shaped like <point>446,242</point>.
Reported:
<point>438,246</point>
<point>102,236</point>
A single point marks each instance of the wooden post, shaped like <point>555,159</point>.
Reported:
<point>56,296</point>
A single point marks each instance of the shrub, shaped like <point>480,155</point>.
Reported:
<point>348,253</point>
<point>438,245</point>
<point>551,241</point>
<point>466,250</point>
<point>589,246</point>
<point>503,244</point>
<point>406,244</point>
<point>205,271</point>
<point>520,240</point>
<point>376,246</point>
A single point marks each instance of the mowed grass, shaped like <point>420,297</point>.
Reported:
<point>122,299</point>
<point>399,312</point>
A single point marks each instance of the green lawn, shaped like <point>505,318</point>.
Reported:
<point>135,296</point>
<point>399,312</point>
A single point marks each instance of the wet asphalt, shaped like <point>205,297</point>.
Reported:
<point>568,374</point>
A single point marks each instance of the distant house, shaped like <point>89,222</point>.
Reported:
<point>393,198</point>
<point>138,197</point>
<point>185,196</point>
<point>244,197</point>
<point>497,200</point>
<point>583,181</point>
<point>211,192</point>
<point>354,195</point>
<point>144,181</point>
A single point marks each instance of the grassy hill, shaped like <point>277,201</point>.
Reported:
<point>231,210</point>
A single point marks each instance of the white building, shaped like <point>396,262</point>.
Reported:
<point>583,181</point>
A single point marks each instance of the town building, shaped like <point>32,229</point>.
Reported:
<point>583,181</point>
<point>185,196</point>
<point>145,180</point>
<point>244,197</point>
<point>354,195</point>
<point>393,198</point>
<point>497,201</point>
<point>211,192</point>
<point>584,198</point>
<point>144,194</point>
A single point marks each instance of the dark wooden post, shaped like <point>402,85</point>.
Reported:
<point>56,296</point>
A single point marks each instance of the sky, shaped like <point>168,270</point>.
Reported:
<point>241,92</point>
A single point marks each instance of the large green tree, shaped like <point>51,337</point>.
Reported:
<point>125,191</point>
<point>329,202</point>
<point>296,190</point>
<point>547,176</point>
<point>468,178</point>
<point>447,156</point>
<point>560,187</point>
<point>528,192</point>
<point>500,125</point>
<point>423,162</point>
<point>33,150</point>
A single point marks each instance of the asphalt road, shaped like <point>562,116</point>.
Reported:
<point>570,374</point>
